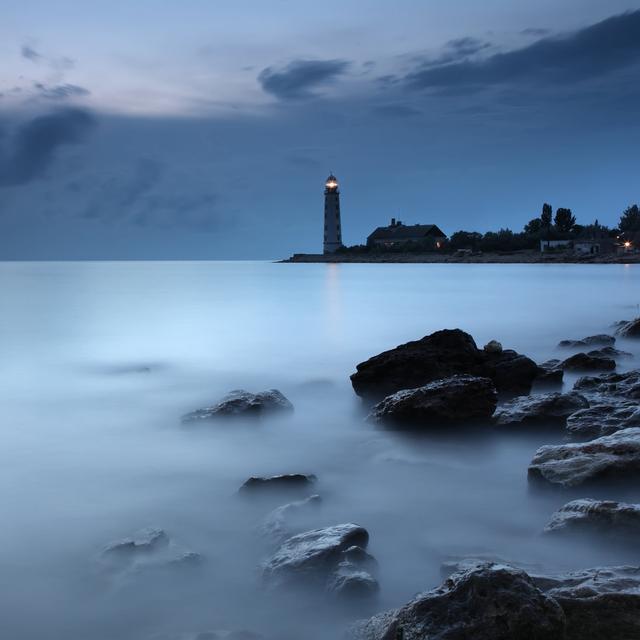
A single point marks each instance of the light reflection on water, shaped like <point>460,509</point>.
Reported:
<point>99,360</point>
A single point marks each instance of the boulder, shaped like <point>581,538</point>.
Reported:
<point>629,329</point>
<point>488,602</point>
<point>549,374</point>
<point>546,408</point>
<point>585,362</point>
<point>597,340</point>
<point>603,419</point>
<point>493,346</point>
<point>609,352</point>
<point>441,355</point>
<point>278,483</point>
<point>325,559</point>
<point>568,465</point>
<point>604,517</point>
<point>625,385</point>
<point>240,403</point>
<point>282,522</point>
<point>456,399</point>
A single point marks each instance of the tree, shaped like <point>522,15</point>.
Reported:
<point>545,217</point>
<point>533,226</point>
<point>564,220</point>
<point>465,240</point>
<point>630,219</point>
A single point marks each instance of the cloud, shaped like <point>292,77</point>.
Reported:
<point>36,142</point>
<point>30,53</point>
<point>61,91</point>
<point>597,50</point>
<point>300,78</point>
<point>396,111</point>
<point>537,32</point>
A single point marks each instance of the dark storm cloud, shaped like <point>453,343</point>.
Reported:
<point>299,78</point>
<point>35,143</point>
<point>602,48</point>
<point>30,53</point>
<point>61,91</point>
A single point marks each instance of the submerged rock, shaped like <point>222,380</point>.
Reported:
<point>543,408</point>
<point>549,374</point>
<point>601,339</point>
<point>630,329</point>
<point>585,362</point>
<point>626,385</point>
<point>455,399</point>
<point>278,483</point>
<point>609,352</point>
<point>281,523</point>
<point>568,465</point>
<point>243,403</point>
<point>488,602</point>
<point>603,419</point>
<point>617,519</point>
<point>441,355</point>
<point>325,559</point>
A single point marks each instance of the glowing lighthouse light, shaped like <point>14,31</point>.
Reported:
<point>332,226</point>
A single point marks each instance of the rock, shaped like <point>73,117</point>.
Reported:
<point>616,519</point>
<point>441,355</point>
<point>493,346</point>
<point>488,602</point>
<point>626,385</point>
<point>278,483</point>
<point>630,329</point>
<point>603,419</point>
<point>598,604</point>
<point>568,465</point>
<point>242,403</point>
<point>549,374</point>
<point>585,362</point>
<point>280,524</point>
<point>543,408</point>
<point>598,340</point>
<point>321,558</point>
<point>455,399</point>
<point>609,352</point>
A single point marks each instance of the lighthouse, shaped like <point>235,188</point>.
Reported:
<point>332,228</point>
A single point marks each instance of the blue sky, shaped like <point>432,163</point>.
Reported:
<point>205,129</point>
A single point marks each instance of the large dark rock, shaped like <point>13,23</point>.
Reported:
<point>585,362</point>
<point>604,517</point>
<point>603,419</point>
<point>626,385</point>
<point>277,483</point>
<point>568,465</point>
<point>609,352</point>
<point>240,403</point>
<point>550,375</point>
<point>441,355</point>
<point>455,399</point>
<point>487,602</point>
<point>601,339</point>
<point>325,559</point>
<point>629,329</point>
<point>547,408</point>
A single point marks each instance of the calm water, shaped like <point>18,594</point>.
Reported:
<point>99,361</point>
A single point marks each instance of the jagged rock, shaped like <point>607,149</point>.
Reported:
<point>349,581</point>
<point>493,346</point>
<point>606,517</point>
<point>280,524</point>
<point>441,355</point>
<point>243,403</point>
<point>148,549</point>
<point>544,408</point>
<point>626,384</point>
<point>549,374</point>
<point>487,602</point>
<point>630,329</point>
<point>603,419</point>
<point>598,340</point>
<point>609,352</point>
<point>585,362</point>
<point>455,399</point>
<point>278,483</point>
<point>321,558</point>
<point>568,465</point>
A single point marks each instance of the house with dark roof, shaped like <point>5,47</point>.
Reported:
<point>397,234</point>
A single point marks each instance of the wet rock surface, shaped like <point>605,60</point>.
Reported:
<point>284,521</point>
<point>609,352</point>
<point>615,456</point>
<point>283,482</point>
<point>586,362</point>
<point>626,385</point>
<point>455,399</point>
<point>543,408</point>
<point>441,355</point>
<point>332,560</point>
<point>603,419</point>
<point>630,329</point>
<point>243,404</point>
<point>604,517</point>
<point>600,340</point>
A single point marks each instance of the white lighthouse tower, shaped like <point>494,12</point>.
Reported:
<point>332,227</point>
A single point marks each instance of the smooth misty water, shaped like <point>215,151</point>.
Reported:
<point>98,361</point>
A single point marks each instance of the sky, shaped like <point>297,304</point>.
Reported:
<point>205,129</point>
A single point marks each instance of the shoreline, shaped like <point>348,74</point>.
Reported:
<point>513,257</point>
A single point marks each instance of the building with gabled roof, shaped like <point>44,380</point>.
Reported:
<point>397,234</point>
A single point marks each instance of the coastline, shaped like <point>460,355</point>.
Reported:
<point>513,257</point>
